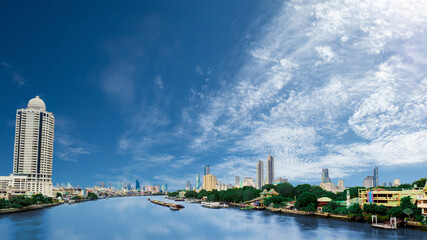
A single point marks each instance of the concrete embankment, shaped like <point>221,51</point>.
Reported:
<point>28,208</point>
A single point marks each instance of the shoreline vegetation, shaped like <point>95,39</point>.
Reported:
<point>23,203</point>
<point>302,200</point>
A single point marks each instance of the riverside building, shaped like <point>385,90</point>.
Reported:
<point>270,170</point>
<point>209,182</point>
<point>260,174</point>
<point>33,150</point>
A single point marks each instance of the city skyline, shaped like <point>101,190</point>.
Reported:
<point>141,96</point>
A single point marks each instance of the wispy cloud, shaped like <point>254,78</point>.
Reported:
<point>342,87</point>
<point>159,81</point>
<point>16,76</point>
<point>67,146</point>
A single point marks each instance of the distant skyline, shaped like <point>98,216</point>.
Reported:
<point>155,90</point>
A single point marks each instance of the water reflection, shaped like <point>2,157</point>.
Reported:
<point>136,218</point>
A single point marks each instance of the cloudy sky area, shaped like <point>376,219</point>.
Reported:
<point>155,90</point>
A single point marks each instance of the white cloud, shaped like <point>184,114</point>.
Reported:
<point>159,81</point>
<point>341,87</point>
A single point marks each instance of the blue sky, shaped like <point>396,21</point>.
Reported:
<point>154,90</point>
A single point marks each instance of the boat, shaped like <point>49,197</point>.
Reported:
<point>211,204</point>
<point>175,208</point>
<point>247,208</point>
<point>224,205</point>
<point>148,199</point>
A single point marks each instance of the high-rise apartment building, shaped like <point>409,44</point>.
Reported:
<point>188,185</point>
<point>237,181</point>
<point>33,148</point>
<point>368,182</point>
<point>260,174</point>
<point>207,170</point>
<point>137,185</point>
<point>209,182</point>
<point>376,179</point>
<point>270,170</point>
<point>325,176</point>
<point>198,182</point>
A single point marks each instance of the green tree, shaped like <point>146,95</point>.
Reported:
<point>341,210</point>
<point>190,194</point>
<point>58,194</point>
<point>396,212</point>
<point>370,208</point>
<point>420,182</point>
<point>267,186</point>
<point>276,200</point>
<point>306,201</point>
<point>202,193</point>
<point>92,196</point>
<point>355,209</point>
<point>330,207</point>
<point>285,189</point>
<point>4,203</point>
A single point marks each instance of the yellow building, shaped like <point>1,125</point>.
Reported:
<point>209,182</point>
<point>385,197</point>
<point>422,201</point>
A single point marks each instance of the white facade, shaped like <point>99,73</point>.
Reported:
<point>33,152</point>
<point>248,181</point>
<point>260,174</point>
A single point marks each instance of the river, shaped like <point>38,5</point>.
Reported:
<point>137,218</point>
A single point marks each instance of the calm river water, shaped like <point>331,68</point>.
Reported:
<point>136,218</point>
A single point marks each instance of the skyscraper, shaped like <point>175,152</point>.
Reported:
<point>137,185</point>
<point>236,181</point>
<point>32,157</point>
<point>270,170</point>
<point>209,182</point>
<point>102,184</point>
<point>198,182</point>
<point>325,176</point>
<point>368,182</point>
<point>260,174</point>
<point>188,185</point>
<point>207,170</point>
<point>376,179</point>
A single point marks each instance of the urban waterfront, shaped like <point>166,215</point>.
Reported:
<point>137,218</point>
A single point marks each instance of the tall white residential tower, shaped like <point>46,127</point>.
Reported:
<point>34,146</point>
<point>260,174</point>
<point>270,170</point>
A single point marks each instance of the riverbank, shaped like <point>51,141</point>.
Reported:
<point>347,218</point>
<point>28,208</point>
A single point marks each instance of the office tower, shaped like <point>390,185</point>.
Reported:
<point>280,180</point>
<point>198,182</point>
<point>248,182</point>
<point>33,150</point>
<point>376,179</point>
<point>325,176</point>
<point>368,182</point>
<point>260,174</point>
<point>384,184</point>
<point>396,182</point>
<point>389,184</point>
<point>270,170</point>
<point>137,185</point>
<point>236,181</point>
<point>209,182</point>
<point>102,184</point>
<point>207,170</point>
<point>188,186</point>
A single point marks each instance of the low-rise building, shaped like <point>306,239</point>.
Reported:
<point>386,197</point>
<point>422,201</point>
